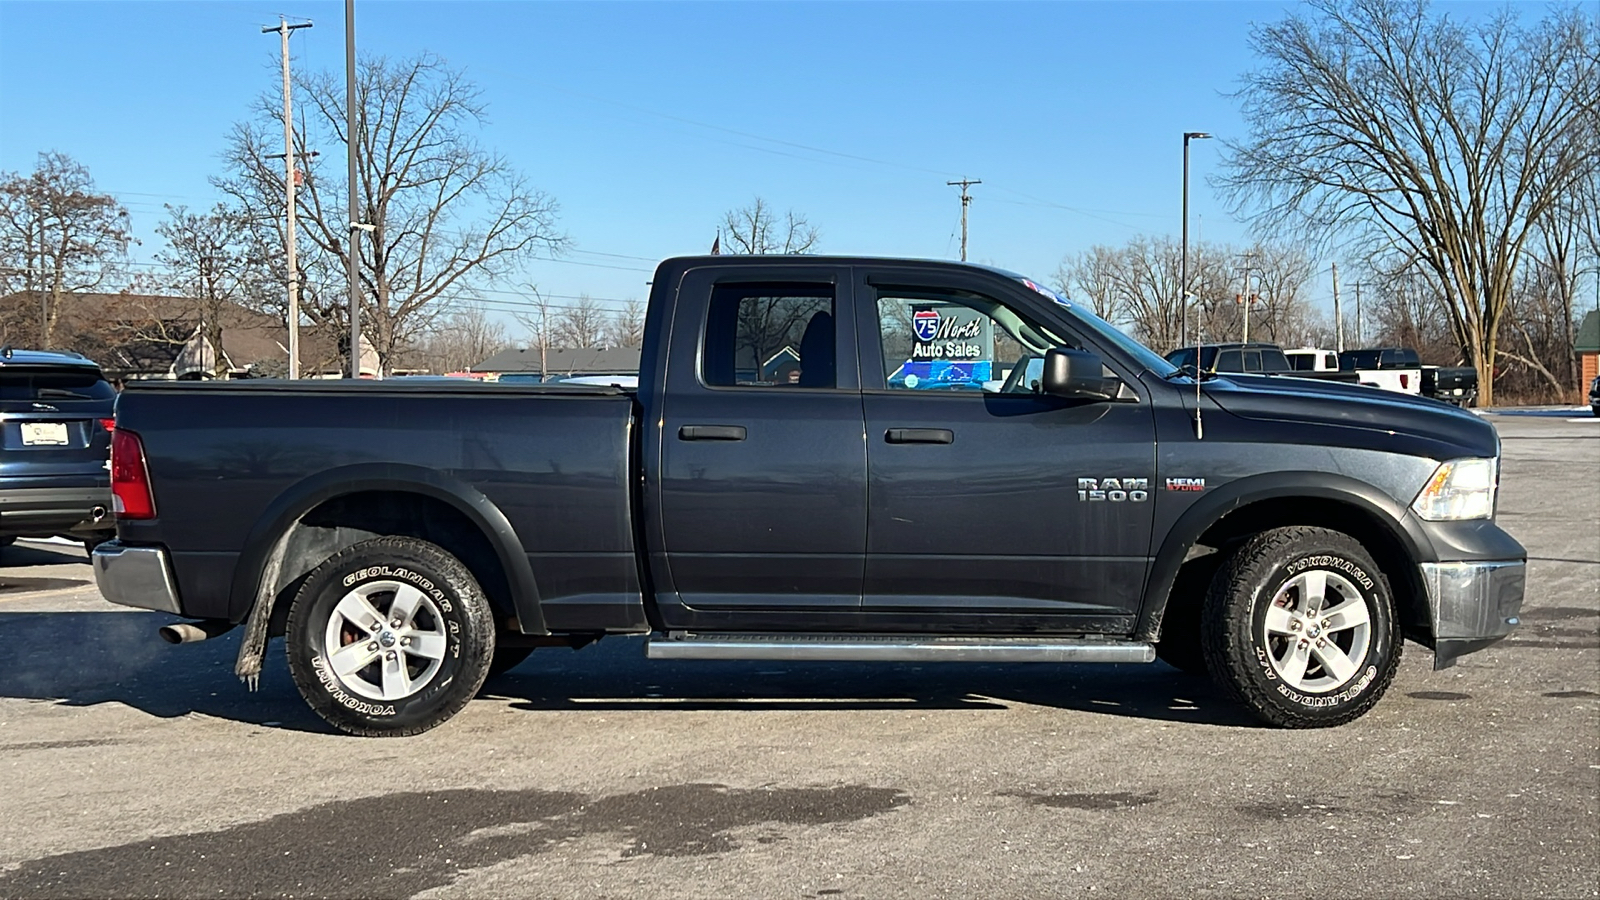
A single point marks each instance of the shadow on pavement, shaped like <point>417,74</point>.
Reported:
<point>20,555</point>
<point>88,658</point>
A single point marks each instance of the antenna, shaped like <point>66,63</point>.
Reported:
<point>1199,427</point>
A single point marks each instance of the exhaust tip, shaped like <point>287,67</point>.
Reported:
<point>97,513</point>
<point>189,632</point>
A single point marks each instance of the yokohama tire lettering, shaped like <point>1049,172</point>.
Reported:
<point>339,695</point>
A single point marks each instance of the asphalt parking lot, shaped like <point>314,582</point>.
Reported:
<point>136,769</point>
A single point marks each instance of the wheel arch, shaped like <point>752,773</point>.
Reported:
<point>335,509</point>
<point>1239,509</point>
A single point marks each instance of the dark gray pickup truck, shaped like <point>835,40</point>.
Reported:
<point>825,459</point>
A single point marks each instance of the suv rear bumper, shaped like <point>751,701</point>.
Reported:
<point>1474,604</point>
<point>140,577</point>
<point>50,511</point>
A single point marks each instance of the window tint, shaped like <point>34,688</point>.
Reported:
<point>769,335</point>
<point>1230,361</point>
<point>1252,360</point>
<point>1330,361</point>
<point>1273,361</point>
<point>54,385</point>
<point>935,340</point>
<point>1303,362</point>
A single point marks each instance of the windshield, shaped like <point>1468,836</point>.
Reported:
<point>1106,331</point>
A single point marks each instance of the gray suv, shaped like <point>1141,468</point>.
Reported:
<point>55,445</point>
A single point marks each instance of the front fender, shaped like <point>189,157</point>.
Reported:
<point>1211,507</point>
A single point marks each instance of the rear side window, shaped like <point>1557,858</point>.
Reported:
<point>1273,361</point>
<point>54,385</point>
<point>1252,360</point>
<point>1230,361</point>
<point>769,335</point>
<point>1303,362</point>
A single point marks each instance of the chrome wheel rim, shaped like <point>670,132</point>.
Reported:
<point>385,640</point>
<point>1317,631</point>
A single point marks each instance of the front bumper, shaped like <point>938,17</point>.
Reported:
<point>1474,604</point>
<point>136,576</point>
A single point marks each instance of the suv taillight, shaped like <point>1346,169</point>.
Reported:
<point>130,480</point>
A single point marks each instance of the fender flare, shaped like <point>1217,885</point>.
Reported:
<point>1215,504</point>
<point>288,507</point>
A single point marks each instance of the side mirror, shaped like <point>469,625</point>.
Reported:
<point>1077,375</point>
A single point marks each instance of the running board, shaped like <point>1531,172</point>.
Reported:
<point>886,648</point>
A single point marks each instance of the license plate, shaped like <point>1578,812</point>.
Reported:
<point>44,434</point>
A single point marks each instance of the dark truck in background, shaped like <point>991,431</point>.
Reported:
<point>825,459</point>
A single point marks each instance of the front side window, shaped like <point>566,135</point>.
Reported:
<point>950,340</point>
<point>770,335</point>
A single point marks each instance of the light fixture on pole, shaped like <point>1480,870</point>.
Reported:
<point>1183,265</point>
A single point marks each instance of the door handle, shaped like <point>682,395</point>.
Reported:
<point>920,436</point>
<point>711,433</point>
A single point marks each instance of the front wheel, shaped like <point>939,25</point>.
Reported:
<point>1299,626</point>
<point>389,637</point>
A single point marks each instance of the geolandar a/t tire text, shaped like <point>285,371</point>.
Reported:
<point>389,637</point>
<point>1299,626</point>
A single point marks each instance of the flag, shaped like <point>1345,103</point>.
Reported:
<point>716,246</point>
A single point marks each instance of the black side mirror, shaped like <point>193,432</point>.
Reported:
<point>1076,375</point>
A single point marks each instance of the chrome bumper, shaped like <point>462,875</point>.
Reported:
<point>135,576</point>
<point>1474,604</point>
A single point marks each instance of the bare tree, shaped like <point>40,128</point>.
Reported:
<point>58,236</point>
<point>580,324</point>
<point>462,340</point>
<point>755,229</point>
<point>1379,120</point>
<point>625,327</point>
<point>1146,286</point>
<point>447,215</point>
<point>208,255</point>
<point>1089,277</point>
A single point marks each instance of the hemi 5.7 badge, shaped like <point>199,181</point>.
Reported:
<point>1186,484</point>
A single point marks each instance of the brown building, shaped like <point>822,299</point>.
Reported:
<point>157,336</point>
<point>1587,346</point>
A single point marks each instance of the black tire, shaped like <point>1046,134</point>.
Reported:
<point>450,618</point>
<point>508,658</point>
<point>7,541</point>
<point>1255,667</point>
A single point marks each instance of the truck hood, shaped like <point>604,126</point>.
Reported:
<point>1279,398</point>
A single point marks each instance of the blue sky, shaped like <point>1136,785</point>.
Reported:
<point>647,121</point>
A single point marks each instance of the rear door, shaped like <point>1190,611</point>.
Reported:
<point>761,493</point>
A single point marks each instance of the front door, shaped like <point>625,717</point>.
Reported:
<point>762,486</point>
<point>994,507</point>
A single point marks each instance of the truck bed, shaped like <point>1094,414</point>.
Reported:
<point>225,458</point>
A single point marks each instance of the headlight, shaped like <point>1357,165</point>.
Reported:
<point>1459,489</point>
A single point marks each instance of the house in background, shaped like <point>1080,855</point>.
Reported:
<point>136,336</point>
<point>529,364</point>
<point>1587,346</point>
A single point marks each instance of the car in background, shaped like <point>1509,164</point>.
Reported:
<point>1390,368</point>
<point>1254,358</point>
<point>55,447</point>
<point>1594,396</point>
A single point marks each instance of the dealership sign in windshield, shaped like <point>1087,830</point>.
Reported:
<point>952,348</point>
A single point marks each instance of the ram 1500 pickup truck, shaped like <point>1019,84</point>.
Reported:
<point>824,459</point>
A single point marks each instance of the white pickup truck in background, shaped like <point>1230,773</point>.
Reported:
<point>1390,368</point>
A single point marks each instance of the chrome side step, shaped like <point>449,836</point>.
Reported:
<point>893,648</point>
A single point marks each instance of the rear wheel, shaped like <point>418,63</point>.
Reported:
<point>390,637</point>
<point>1299,626</point>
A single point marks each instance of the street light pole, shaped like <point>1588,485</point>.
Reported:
<point>1183,265</point>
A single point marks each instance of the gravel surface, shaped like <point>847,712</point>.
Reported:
<point>135,769</point>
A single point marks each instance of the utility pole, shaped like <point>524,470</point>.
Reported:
<point>283,30</point>
<point>1359,341</point>
<point>351,136</point>
<point>966,201</point>
<point>1247,298</point>
<point>1338,314</point>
